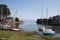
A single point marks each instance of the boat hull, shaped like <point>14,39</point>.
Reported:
<point>48,33</point>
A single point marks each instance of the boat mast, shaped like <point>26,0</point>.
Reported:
<point>15,16</point>
<point>42,14</point>
<point>16,13</point>
<point>58,18</point>
<point>47,15</point>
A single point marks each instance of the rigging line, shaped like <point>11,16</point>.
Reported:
<point>16,13</point>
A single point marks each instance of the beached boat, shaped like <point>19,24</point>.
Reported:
<point>14,29</point>
<point>5,27</point>
<point>8,27</point>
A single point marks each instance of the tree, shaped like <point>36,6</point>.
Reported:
<point>17,19</point>
<point>17,24</point>
<point>4,11</point>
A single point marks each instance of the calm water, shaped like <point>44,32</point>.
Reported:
<point>29,27</point>
<point>32,26</point>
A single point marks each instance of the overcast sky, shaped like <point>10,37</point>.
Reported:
<point>32,9</point>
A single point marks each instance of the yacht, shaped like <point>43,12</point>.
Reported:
<point>47,31</point>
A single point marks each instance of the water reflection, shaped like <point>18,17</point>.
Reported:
<point>32,27</point>
<point>29,27</point>
<point>56,29</point>
<point>17,25</point>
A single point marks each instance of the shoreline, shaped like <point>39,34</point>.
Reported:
<point>22,35</point>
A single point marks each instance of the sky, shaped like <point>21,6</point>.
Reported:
<point>32,9</point>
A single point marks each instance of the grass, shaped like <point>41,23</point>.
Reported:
<point>21,35</point>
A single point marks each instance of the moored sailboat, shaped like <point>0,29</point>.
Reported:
<point>46,31</point>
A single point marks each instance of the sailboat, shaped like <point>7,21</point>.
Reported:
<point>15,29</point>
<point>6,26</point>
<point>47,31</point>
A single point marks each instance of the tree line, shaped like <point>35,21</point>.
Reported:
<point>55,20</point>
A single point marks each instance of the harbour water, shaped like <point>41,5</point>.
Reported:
<point>32,26</point>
